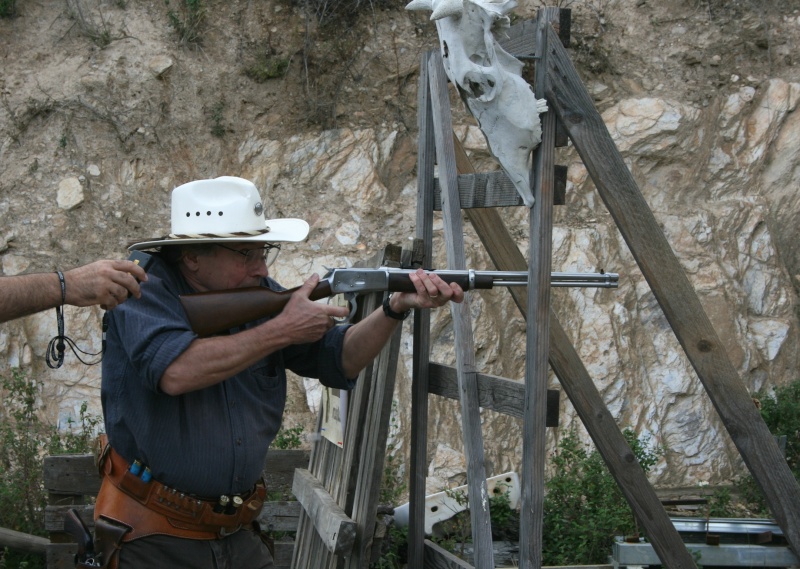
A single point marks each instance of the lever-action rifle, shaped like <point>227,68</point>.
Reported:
<point>219,310</point>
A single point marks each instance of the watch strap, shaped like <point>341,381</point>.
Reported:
<point>387,310</point>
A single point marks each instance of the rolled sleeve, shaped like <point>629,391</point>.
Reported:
<point>322,360</point>
<point>155,329</point>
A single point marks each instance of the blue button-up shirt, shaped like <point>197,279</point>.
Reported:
<point>207,442</point>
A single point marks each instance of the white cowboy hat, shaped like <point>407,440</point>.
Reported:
<point>223,210</point>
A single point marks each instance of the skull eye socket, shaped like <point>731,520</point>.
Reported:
<point>476,88</point>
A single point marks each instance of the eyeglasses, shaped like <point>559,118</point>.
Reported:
<point>266,254</point>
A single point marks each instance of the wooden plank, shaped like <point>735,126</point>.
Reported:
<point>279,516</point>
<point>437,557</point>
<point>462,322</point>
<point>373,450</point>
<point>340,470</point>
<point>337,530</point>
<point>71,474</point>
<point>496,393</point>
<point>494,189</point>
<point>674,292</point>
<point>426,159</point>
<point>283,553</point>
<point>520,39</point>
<point>24,542</point>
<point>583,394</point>
<point>54,516</point>
<point>279,469</point>
<point>486,189</point>
<point>540,244</point>
<point>367,428</point>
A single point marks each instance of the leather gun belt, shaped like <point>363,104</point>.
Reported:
<point>150,508</point>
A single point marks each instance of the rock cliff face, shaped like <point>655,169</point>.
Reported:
<point>698,96</point>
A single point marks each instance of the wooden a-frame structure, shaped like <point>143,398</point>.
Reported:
<point>571,109</point>
<point>339,491</point>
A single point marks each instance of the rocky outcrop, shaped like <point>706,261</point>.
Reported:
<point>720,175</point>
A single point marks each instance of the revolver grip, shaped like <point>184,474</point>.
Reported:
<point>73,525</point>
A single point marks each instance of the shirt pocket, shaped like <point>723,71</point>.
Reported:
<point>267,374</point>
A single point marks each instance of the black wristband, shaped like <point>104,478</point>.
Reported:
<point>391,313</point>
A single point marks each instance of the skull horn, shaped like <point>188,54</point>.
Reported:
<point>446,8</point>
<point>420,5</point>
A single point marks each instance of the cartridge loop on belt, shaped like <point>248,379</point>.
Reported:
<point>171,512</point>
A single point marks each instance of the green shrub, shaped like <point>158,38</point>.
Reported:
<point>288,439</point>
<point>720,504</point>
<point>781,413</point>
<point>584,508</point>
<point>8,8</point>
<point>780,410</point>
<point>24,442</point>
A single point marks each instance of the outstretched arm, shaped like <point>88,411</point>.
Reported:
<point>208,361</point>
<point>364,341</point>
<point>107,283</point>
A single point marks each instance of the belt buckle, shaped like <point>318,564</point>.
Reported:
<point>223,531</point>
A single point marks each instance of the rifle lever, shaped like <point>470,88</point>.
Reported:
<point>352,304</point>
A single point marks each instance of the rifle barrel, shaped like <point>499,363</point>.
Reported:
<point>520,278</point>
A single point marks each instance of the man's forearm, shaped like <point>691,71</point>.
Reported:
<point>22,295</point>
<point>364,341</point>
<point>208,361</point>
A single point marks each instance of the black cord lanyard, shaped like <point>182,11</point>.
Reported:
<point>55,350</point>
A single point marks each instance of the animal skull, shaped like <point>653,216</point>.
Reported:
<point>489,80</point>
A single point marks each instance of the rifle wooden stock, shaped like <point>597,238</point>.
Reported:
<point>215,311</point>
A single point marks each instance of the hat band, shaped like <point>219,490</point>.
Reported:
<point>217,235</point>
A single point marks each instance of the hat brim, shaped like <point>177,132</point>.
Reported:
<point>280,231</point>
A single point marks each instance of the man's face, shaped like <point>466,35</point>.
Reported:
<point>231,266</point>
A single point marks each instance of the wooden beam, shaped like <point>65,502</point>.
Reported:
<point>462,321</point>
<point>336,529</point>
<point>494,189</point>
<point>436,557</point>
<point>487,189</point>
<point>583,394</point>
<point>279,516</point>
<point>495,393</point>
<point>23,542</point>
<point>540,248</point>
<point>280,470</point>
<point>426,159</point>
<point>676,296</point>
<point>71,474</point>
<point>373,449</point>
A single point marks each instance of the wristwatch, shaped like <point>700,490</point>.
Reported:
<point>391,313</point>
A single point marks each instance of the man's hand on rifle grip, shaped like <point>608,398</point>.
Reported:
<point>304,320</point>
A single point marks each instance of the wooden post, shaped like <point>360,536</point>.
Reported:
<point>422,324</point>
<point>540,245</point>
<point>462,323</point>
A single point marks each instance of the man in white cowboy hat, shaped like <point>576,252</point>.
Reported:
<point>189,420</point>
